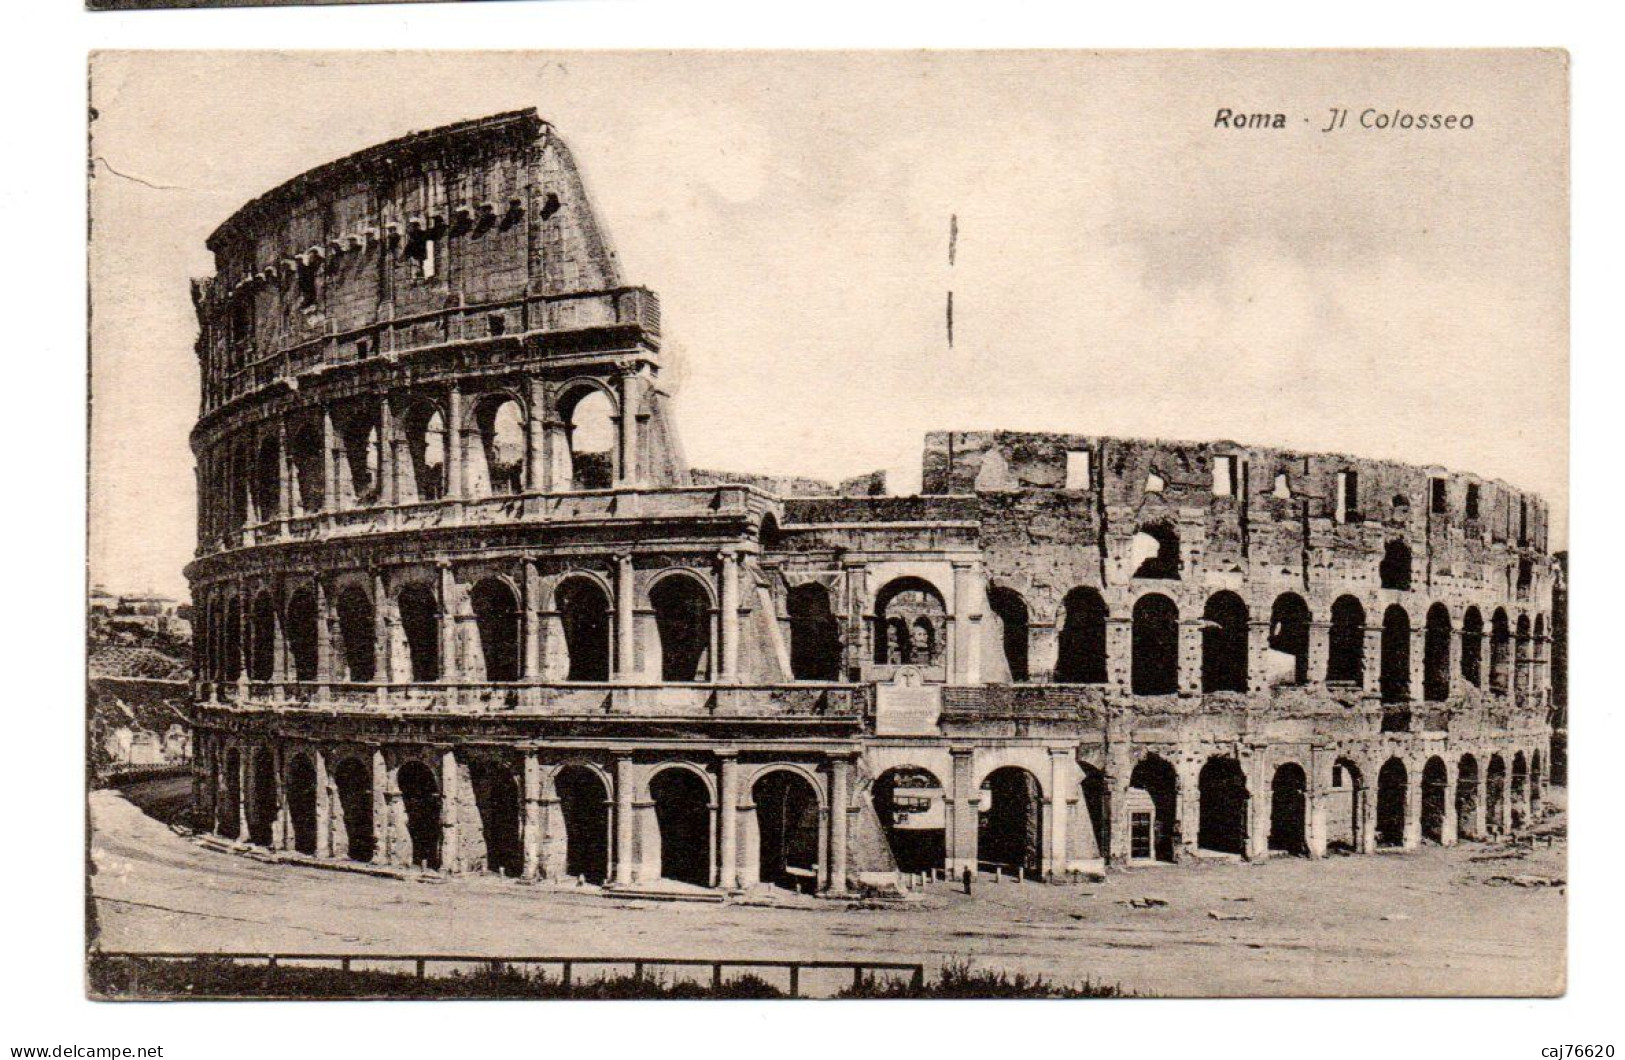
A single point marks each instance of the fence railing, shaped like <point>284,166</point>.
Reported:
<point>422,963</point>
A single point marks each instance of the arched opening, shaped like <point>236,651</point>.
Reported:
<point>1153,797</point>
<point>1010,826</point>
<point>420,624</point>
<point>1436,655</point>
<point>683,628</point>
<point>229,813</point>
<point>1435,799</point>
<point>302,631</point>
<point>1155,662</point>
<point>683,816</point>
<point>1345,662</point>
<point>1467,784</point>
<point>911,620</point>
<point>1395,568</point>
<point>1396,655</point>
<point>1155,551</point>
<point>1520,788</point>
<point>1472,647</point>
<point>426,448</point>
<point>589,432</point>
<point>1520,646</point>
<point>496,798</point>
<point>497,618</point>
<point>815,635</point>
<point>420,797</point>
<point>584,613</point>
<point>909,803</point>
<point>1537,784</point>
<point>357,428</point>
<point>1495,793</point>
<point>231,642</point>
<point>262,656</point>
<point>787,830</point>
<point>501,424</point>
<point>1081,655</point>
<point>358,632</point>
<point>1392,783</point>
<point>302,803</point>
<point>262,801</point>
<point>1345,807</point>
<point>307,464</point>
<point>1222,818</point>
<point>354,783</point>
<point>1011,616</point>
<point>1289,793</point>
<point>1500,653</point>
<point>267,482</point>
<point>1224,644</point>
<point>584,805</point>
<point>1289,639</point>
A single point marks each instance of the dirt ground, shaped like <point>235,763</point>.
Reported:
<point>1432,922</point>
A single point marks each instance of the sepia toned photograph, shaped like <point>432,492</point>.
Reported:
<point>828,525</point>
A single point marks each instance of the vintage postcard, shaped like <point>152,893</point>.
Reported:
<point>861,524</point>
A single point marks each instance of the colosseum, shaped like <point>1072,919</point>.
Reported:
<point>464,606</point>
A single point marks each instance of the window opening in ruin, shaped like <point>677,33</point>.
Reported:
<point>1224,476</point>
<point>1396,655</point>
<point>787,831</point>
<point>815,634</point>
<point>584,612</point>
<point>231,666</point>
<point>1345,662</point>
<point>1224,644</point>
<point>550,206</point>
<point>1155,551</point>
<point>1495,792</point>
<point>683,629</point>
<point>267,486</point>
<point>241,327</point>
<point>1283,486</point>
<point>1472,647</point>
<point>1392,783</point>
<point>1010,829</point>
<point>496,325</point>
<point>1436,655</point>
<point>909,617</point>
<point>302,631</point>
<point>1010,613</point>
<point>1348,495</point>
<point>1289,792</point>
<point>589,450</point>
<point>497,619</point>
<point>426,445</point>
<point>354,783</point>
<point>420,796</point>
<point>502,446</point>
<point>1157,785</point>
<point>1337,776</point>
<point>1395,568</point>
<point>683,817</point>
<point>584,805</point>
<point>1523,523</point>
<point>1467,798</point>
<point>1441,496</point>
<point>1289,640</point>
<point>1500,653</point>
<point>358,435</point>
<point>1526,578</point>
<point>309,466</point>
<point>1345,808</point>
<point>1081,655</point>
<point>229,812</point>
<point>1435,797</point>
<point>262,799</point>
<point>1155,663</point>
<point>262,654</point>
<point>420,624</point>
<point>1222,806</point>
<point>358,634</point>
<point>1154,482</point>
<point>1472,500</point>
<point>309,274</point>
<point>910,805</point>
<point>421,248</point>
<point>496,799</point>
<point>302,804</point>
<point>1078,471</point>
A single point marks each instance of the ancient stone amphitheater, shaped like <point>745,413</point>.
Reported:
<point>462,604</point>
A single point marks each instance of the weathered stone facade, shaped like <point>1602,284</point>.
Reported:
<point>461,602</point>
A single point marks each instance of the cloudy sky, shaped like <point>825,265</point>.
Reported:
<point>1123,266</point>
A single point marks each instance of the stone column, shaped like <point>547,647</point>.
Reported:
<point>1188,807</point>
<point>729,565</point>
<point>1412,837</point>
<point>1314,818</point>
<point>454,443</point>
<point>243,642</point>
<point>282,826</point>
<point>1190,656</point>
<point>284,498</point>
<point>331,455</point>
<point>1260,797</point>
<point>1060,787</point>
<point>631,395</point>
<point>963,809</point>
<point>324,804</point>
<point>1043,650</point>
<point>1120,653</point>
<point>624,822</point>
<point>244,792</point>
<point>1418,669</point>
<point>381,610</point>
<point>538,447</point>
<point>447,586</point>
<point>384,797</point>
<point>1258,651</point>
<point>1474,826</point>
<point>1320,651</point>
<point>1365,811</point>
<point>1448,828</point>
<point>325,620</point>
<point>532,669</point>
<point>1371,662</point>
<point>533,816</point>
<point>388,476</point>
<point>840,770</point>
<point>1119,770</point>
<point>625,620</point>
<point>451,805</point>
<point>728,822</point>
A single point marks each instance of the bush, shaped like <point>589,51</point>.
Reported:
<point>957,979</point>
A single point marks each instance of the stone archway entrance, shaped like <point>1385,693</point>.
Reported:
<point>1288,810</point>
<point>420,798</point>
<point>909,802</point>
<point>1011,822</point>
<point>787,830</point>
<point>584,805</point>
<point>682,807</point>
<point>1222,811</point>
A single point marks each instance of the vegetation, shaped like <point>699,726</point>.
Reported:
<point>957,979</point>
